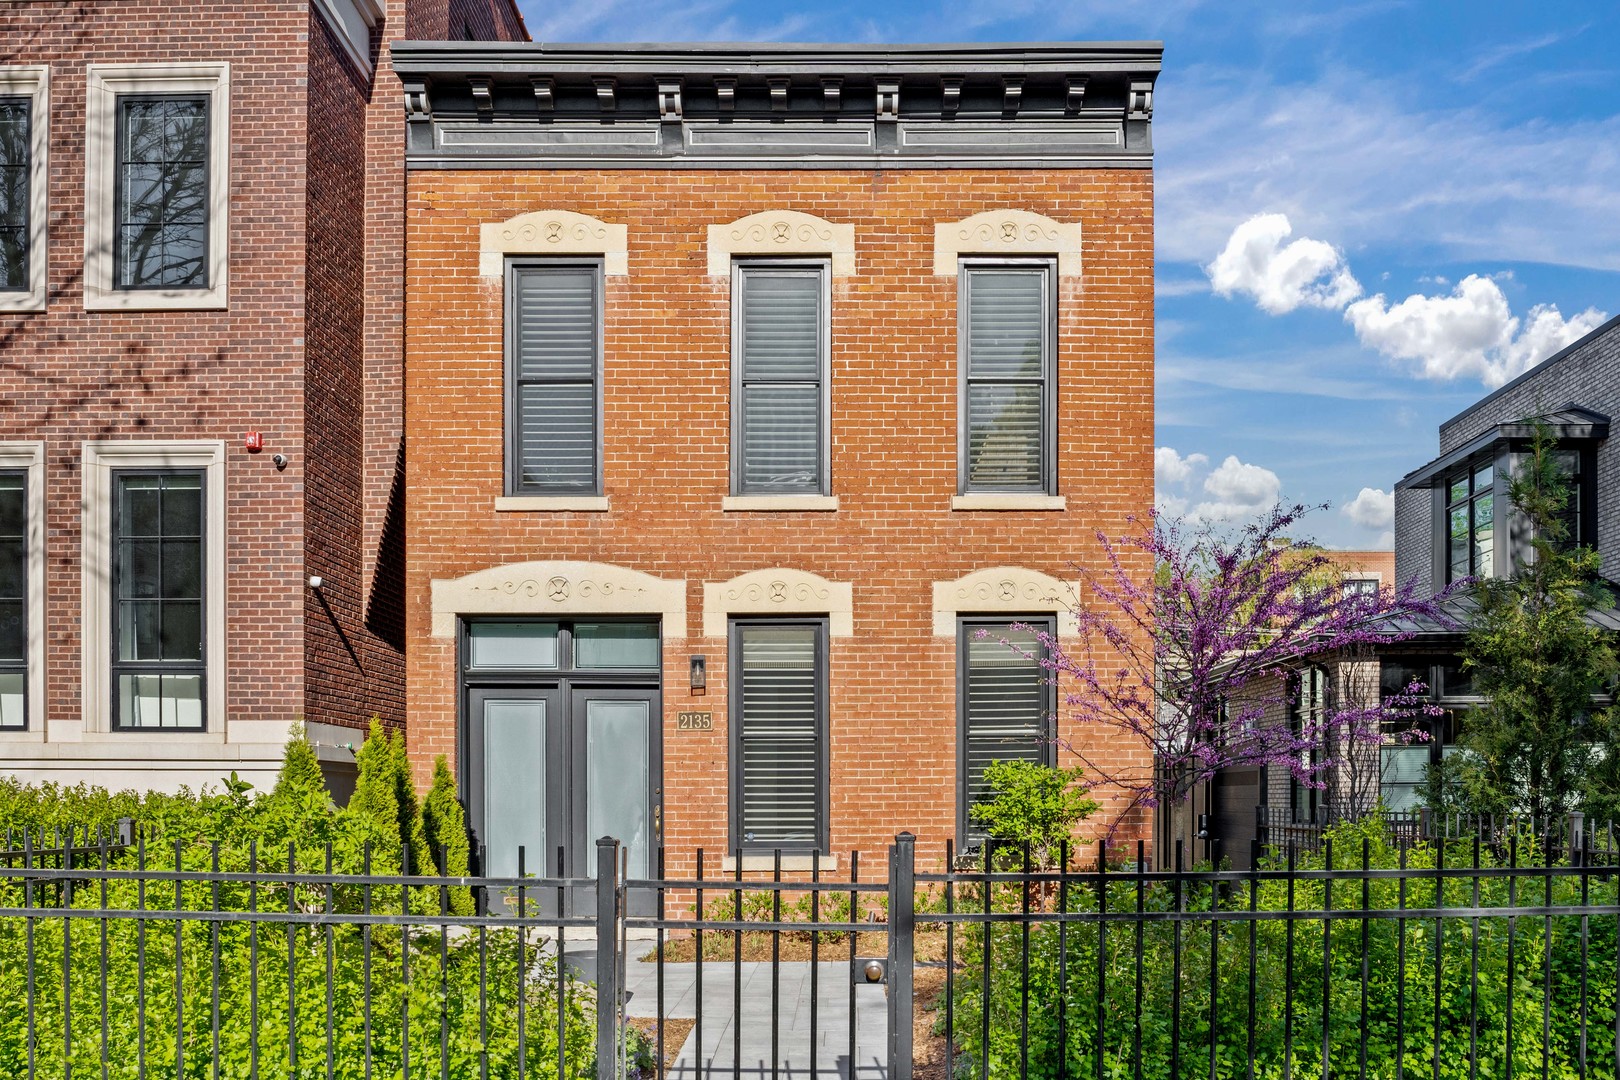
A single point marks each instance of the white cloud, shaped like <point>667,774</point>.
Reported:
<point>1372,509</point>
<point>1237,490</point>
<point>1281,277</point>
<point>1470,332</point>
<point>1171,469</point>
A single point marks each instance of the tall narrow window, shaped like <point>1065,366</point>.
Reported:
<point>779,415</point>
<point>554,342</point>
<point>158,575</point>
<point>1471,524</point>
<point>1309,688</point>
<point>1007,341</point>
<point>1006,700</point>
<point>16,164</point>
<point>161,206</point>
<point>13,601</point>
<point>779,734</point>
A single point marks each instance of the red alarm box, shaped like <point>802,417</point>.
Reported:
<point>254,442</point>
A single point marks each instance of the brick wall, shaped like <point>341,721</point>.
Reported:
<point>894,391</point>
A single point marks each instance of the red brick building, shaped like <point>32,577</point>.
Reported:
<point>201,238</point>
<point>744,387</point>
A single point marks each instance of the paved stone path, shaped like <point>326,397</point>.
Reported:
<point>715,1059</point>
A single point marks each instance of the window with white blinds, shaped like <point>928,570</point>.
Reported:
<point>779,413</point>
<point>1006,700</point>
<point>554,344</point>
<point>779,734</point>
<point>1006,333</point>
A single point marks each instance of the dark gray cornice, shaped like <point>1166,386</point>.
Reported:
<point>504,105</point>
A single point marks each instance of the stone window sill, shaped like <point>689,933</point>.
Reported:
<point>798,864</point>
<point>779,503</point>
<point>581,503</point>
<point>1009,502</point>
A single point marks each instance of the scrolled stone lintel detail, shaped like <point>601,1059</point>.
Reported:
<point>557,588</point>
<point>1014,590</point>
<point>553,232</point>
<point>781,232</point>
<point>779,591</point>
<point>1007,232</point>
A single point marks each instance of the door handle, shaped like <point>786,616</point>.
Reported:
<point>658,824</point>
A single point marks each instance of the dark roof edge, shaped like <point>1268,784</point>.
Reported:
<point>426,56</point>
<point>1592,425</point>
<point>1612,324</point>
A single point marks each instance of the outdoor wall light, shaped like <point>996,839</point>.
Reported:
<point>315,581</point>
<point>700,674</point>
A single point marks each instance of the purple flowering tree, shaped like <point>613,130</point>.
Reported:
<point>1190,658</point>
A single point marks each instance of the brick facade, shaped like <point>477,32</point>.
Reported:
<point>667,383</point>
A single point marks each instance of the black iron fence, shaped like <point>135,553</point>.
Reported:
<point>1360,956</point>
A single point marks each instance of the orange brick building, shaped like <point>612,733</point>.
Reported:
<point>743,389</point>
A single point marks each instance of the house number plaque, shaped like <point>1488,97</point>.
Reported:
<point>694,721</point>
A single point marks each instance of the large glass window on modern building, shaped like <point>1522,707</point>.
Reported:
<point>1007,336</point>
<point>158,580</point>
<point>779,381</point>
<point>16,137</point>
<point>1006,702</point>
<point>779,734</point>
<point>1471,524</point>
<point>13,600</point>
<point>553,365</point>
<point>161,207</point>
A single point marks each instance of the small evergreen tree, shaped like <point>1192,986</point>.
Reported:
<point>1539,662</point>
<point>444,826</point>
<point>300,774</point>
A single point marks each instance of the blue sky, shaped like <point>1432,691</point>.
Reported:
<point>1368,213</point>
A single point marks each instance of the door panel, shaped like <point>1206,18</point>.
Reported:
<point>617,770</point>
<point>514,810</point>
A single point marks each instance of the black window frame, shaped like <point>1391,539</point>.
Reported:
<point>118,667</point>
<point>740,268</point>
<point>516,267</point>
<point>1468,474</point>
<point>25,225</point>
<point>120,163</point>
<point>20,666</point>
<point>1305,802</point>
<point>734,689</point>
<point>967,626</point>
<point>966,267</point>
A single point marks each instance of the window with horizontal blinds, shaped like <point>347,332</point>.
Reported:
<point>554,338</point>
<point>1007,345</point>
<point>779,742</point>
<point>780,364</point>
<point>1007,700</point>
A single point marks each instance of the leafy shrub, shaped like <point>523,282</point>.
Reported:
<point>1035,805</point>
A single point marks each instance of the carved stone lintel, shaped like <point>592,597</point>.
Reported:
<point>669,100</point>
<point>483,94</point>
<point>781,232</point>
<point>1139,105</point>
<point>605,87</point>
<point>952,87</point>
<point>832,90</point>
<point>888,100</point>
<point>1007,232</point>
<point>545,90</point>
<point>779,92</point>
<point>1077,92</point>
<point>1012,93</point>
<point>725,89</point>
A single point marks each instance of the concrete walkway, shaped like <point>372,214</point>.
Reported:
<point>717,1058</point>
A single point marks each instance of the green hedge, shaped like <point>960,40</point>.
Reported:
<point>273,990</point>
<point>1400,1012</point>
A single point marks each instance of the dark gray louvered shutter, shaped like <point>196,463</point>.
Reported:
<point>1008,348</point>
<point>781,367</point>
<point>556,338</point>
<point>1007,700</point>
<point>779,742</point>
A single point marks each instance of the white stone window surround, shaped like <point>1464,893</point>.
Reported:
<point>30,458</point>
<point>33,82</point>
<point>1007,232</point>
<point>103,84</point>
<point>552,589</point>
<point>1005,590</point>
<point>779,591</point>
<point>100,460</point>
<point>781,232</point>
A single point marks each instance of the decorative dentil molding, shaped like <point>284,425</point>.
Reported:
<point>1007,232</point>
<point>1011,590</point>
<point>555,588</point>
<point>781,232</point>
<point>779,591</point>
<point>553,232</point>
